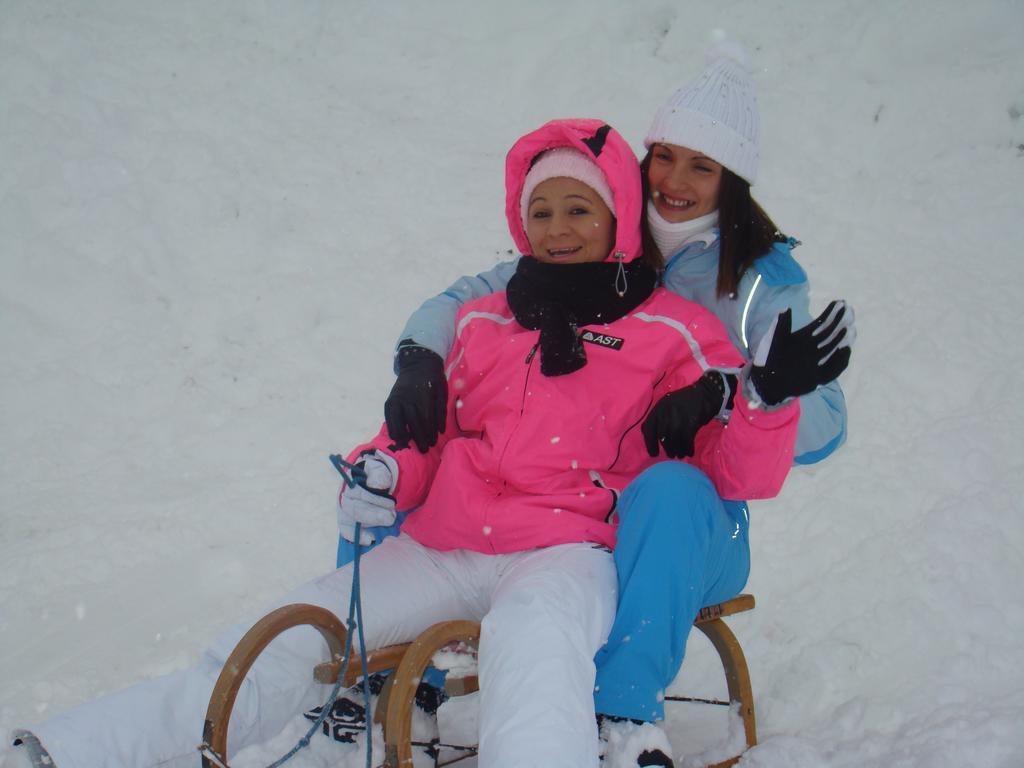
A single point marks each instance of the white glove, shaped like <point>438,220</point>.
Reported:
<point>369,507</point>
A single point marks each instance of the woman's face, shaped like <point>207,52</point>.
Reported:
<point>684,183</point>
<point>567,222</point>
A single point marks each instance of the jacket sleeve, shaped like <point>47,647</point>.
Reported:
<point>433,324</point>
<point>416,470</point>
<point>750,456</point>
<point>708,348</point>
<point>822,427</point>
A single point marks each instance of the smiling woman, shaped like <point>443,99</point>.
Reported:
<point>568,209</point>
<point>684,183</point>
<point>568,223</point>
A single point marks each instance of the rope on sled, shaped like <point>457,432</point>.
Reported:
<point>355,621</point>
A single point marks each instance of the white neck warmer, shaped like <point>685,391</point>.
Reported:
<point>670,237</point>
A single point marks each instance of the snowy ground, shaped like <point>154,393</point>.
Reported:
<point>216,215</point>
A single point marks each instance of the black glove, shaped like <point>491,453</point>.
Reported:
<point>792,363</point>
<point>418,404</point>
<point>675,419</point>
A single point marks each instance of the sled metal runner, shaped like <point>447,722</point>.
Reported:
<point>409,661</point>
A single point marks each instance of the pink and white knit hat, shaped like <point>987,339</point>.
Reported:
<point>570,163</point>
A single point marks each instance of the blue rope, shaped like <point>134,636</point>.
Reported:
<point>362,654</point>
<point>355,475</point>
<point>352,477</point>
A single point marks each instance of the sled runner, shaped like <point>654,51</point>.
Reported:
<point>409,661</point>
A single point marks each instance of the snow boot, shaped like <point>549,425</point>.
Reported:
<point>629,743</point>
<point>348,715</point>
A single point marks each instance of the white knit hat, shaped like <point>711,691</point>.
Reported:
<point>569,163</point>
<point>716,113</point>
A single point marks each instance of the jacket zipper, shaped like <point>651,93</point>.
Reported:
<point>631,427</point>
<point>522,406</point>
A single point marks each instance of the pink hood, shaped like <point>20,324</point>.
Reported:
<point>613,156</point>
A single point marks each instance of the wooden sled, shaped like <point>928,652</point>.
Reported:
<point>395,703</point>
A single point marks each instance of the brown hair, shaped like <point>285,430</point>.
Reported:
<point>746,232</point>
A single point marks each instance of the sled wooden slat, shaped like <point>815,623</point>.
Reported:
<point>460,686</point>
<point>379,660</point>
<point>738,604</point>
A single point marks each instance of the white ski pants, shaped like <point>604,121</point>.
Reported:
<point>544,614</point>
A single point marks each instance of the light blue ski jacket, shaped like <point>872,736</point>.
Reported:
<point>774,283</point>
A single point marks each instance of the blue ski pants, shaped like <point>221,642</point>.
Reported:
<point>679,547</point>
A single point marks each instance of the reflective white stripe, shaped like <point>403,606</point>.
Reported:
<point>454,363</point>
<point>485,315</point>
<point>500,319</point>
<point>673,323</point>
<point>746,309</point>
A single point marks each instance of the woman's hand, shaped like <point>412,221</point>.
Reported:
<point>791,363</point>
<point>370,502</point>
<point>417,407</point>
<point>675,420</point>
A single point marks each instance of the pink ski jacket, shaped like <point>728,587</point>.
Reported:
<point>534,461</point>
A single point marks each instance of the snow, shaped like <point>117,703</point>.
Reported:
<point>625,739</point>
<point>456,659</point>
<point>216,217</point>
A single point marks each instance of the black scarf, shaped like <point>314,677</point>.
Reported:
<point>559,298</point>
